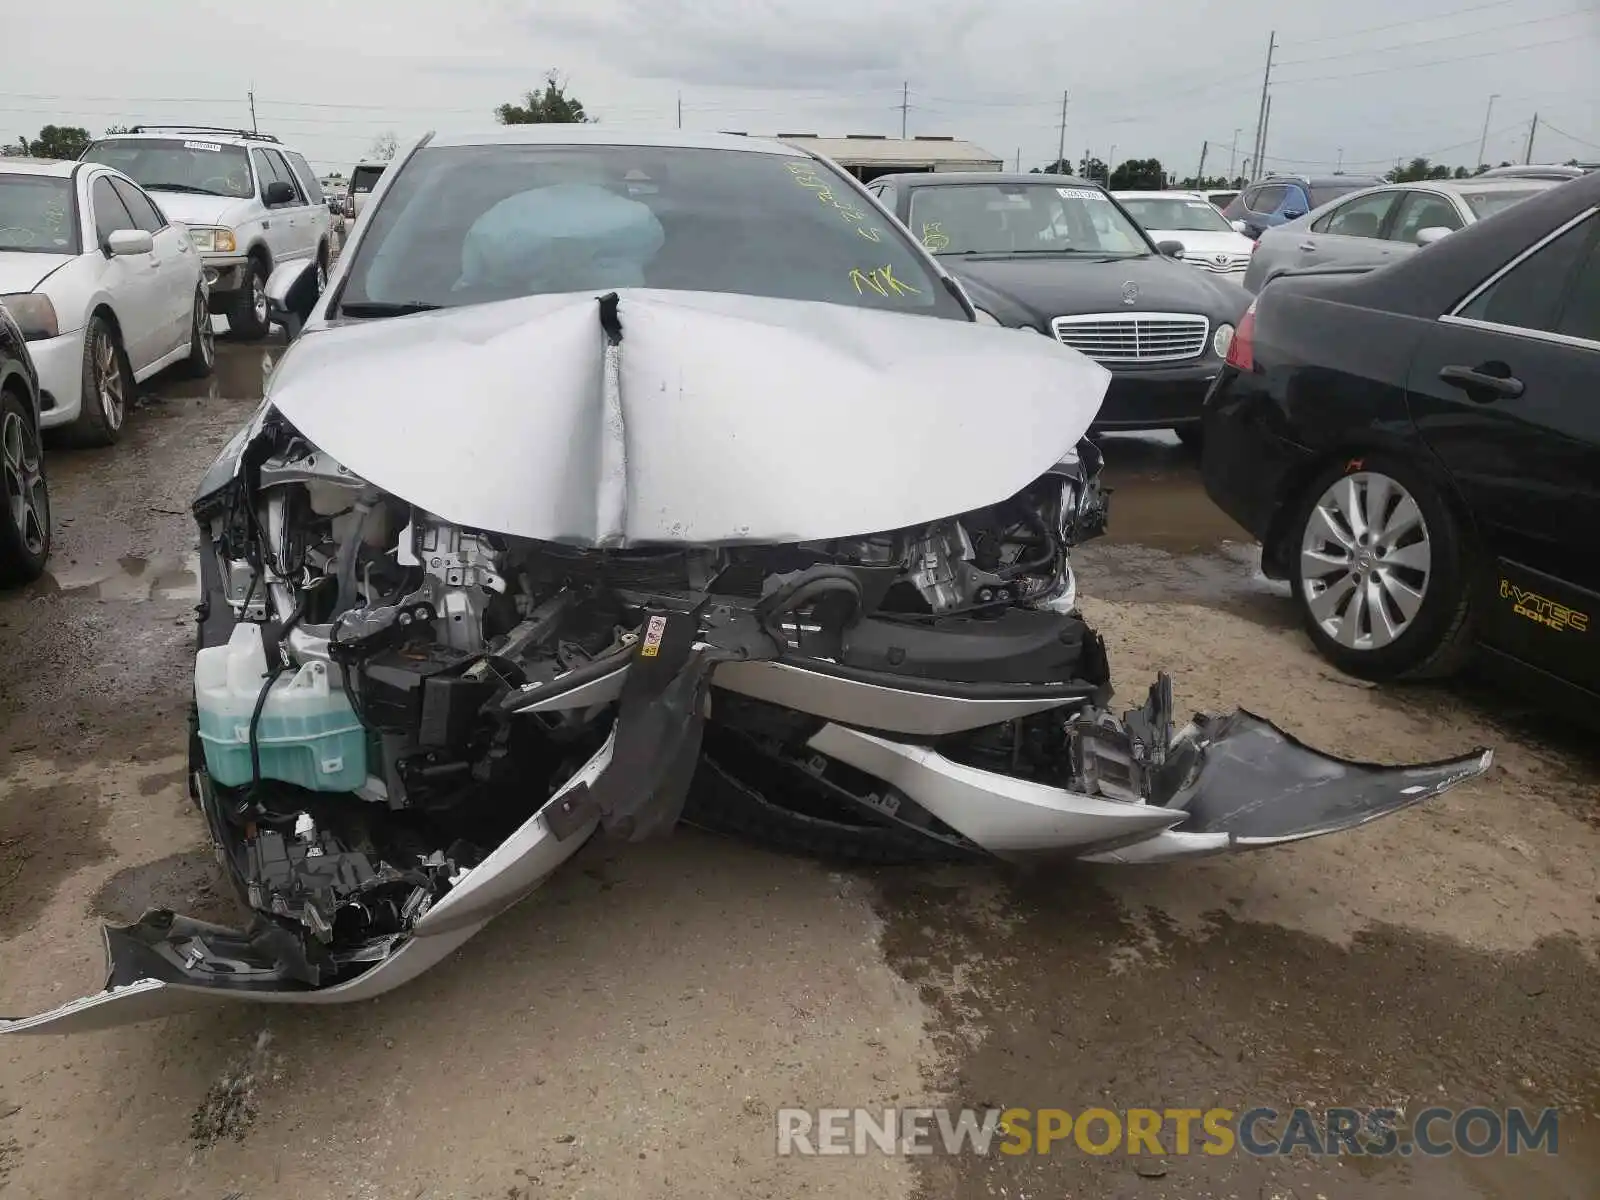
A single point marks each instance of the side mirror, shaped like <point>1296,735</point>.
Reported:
<point>278,192</point>
<point>292,292</point>
<point>1292,214</point>
<point>129,241</point>
<point>1172,249</point>
<point>1430,235</point>
<point>1240,227</point>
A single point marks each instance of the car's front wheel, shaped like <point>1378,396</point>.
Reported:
<point>1380,570</point>
<point>25,520</point>
<point>248,317</point>
<point>202,342</point>
<point>107,386</point>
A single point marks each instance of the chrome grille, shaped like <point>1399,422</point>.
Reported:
<point>1236,264</point>
<point>1134,337</point>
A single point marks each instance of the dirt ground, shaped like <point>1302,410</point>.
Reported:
<point>631,1029</point>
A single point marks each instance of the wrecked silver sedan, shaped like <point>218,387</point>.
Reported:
<point>617,482</point>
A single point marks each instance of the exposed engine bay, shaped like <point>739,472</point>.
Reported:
<point>485,670</point>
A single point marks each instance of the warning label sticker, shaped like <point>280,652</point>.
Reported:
<point>652,637</point>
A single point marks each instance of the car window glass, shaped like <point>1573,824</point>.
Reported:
<point>308,178</point>
<point>473,224</point>
<point>189,165</point>
<point>1580,316</point>
<point>1423,210</point>
<point>145,214</point>
<point>364,179</point>
<point>37,214</point>
<point>1295,199</point>
<point>887,194</point>
<point>1529,295</point>
<point>1362,217</point>
<point>285,175</point>
<point>1267,199</point>
<point>110,214</point>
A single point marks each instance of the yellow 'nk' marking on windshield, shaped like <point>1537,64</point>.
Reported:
<point>882,281</point>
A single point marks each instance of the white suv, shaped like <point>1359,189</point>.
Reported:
<point>250,204</point>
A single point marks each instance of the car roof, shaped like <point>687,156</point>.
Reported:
<point>1159,195</point>
<point>602,135</point>
<point>935,178</point>
<point>38,166</point>
<point>1359,180</point>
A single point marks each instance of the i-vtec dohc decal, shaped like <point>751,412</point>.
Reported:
<point>1542,609</point>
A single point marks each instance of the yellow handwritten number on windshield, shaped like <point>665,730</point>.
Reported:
<point>806,176</point>
<point>881,281</point>
<point>933,237</point>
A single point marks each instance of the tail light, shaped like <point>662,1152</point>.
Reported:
<point>1242,351</point>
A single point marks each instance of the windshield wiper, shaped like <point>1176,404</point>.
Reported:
<point>182,187</point>
<point>386,308</point>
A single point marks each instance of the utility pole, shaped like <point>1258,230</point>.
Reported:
<point>1111,163</point>
<point>1233,154</point>
<point>1483,142</point>
<point>1338,167</point>
<point>1061,141</point>
<point>1527,155</point>
<point>1266,124</point>
<point>1261,111</point>
<point>1200,171</point>
<point>254,128</point>
<point>1018,167</point>
<point>905,107</point>
<point>680,110</point>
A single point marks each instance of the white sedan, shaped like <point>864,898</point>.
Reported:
<point>106,290</point>
<point>1209,242</point>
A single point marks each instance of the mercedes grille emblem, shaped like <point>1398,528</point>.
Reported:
<point>1130,292</point>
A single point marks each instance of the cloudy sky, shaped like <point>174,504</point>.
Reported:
<point>1359,81</point>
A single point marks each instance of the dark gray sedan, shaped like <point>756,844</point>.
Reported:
<point>1378,225</point>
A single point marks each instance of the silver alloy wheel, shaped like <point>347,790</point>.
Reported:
<point>258,296</point>
<point>22,466</point>
<point>109,384</point>
<point>1365,561</point>
<point>203,331</point>
<point>322,277</point>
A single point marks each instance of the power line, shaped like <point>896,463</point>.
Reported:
<point>1560,133</point>
<point>1436,62</point>
<point>1350,33</point>
<point>1447,37</point>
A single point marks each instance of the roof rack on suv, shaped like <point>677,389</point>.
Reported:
<point>244,133</point>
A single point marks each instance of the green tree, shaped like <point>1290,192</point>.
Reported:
<point>111,130</point>
<point>59,141</point>
<point>383,146</point>
<point>1139,174</point>
<point>1418,169</point>
<point>553,106</point>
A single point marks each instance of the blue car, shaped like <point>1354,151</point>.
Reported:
<point>1279,198</point>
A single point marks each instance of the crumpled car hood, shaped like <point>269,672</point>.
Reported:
<point>721,419</point>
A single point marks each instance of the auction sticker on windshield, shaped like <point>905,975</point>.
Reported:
<point>1079,194</point>
<point>202,146</point>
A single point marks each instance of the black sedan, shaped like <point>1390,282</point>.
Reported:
<point>24,495</point>
<point>1418,447</point>
<point>1059,256</point>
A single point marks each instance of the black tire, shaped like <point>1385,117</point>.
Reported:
<point>1438,637</point>
<point>721,803</point>
<point>247,319</point>
<point>202,358</point>
<point>1192,436</point>
<point>24,494</point>
<point>107,386</point>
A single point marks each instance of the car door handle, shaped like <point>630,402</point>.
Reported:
<point>1308,245</point>
<point>1480,385</point>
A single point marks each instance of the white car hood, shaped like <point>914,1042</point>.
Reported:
<point>720,418</point>
<point>189,209</point>
<point>1201,243</point>
<point>22,271</point>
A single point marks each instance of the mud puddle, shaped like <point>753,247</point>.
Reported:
<point>133,577</point>
<point>239,374</point>
<point>1086,1004</point>
<point>47,832</point>
<point>190,882</point>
